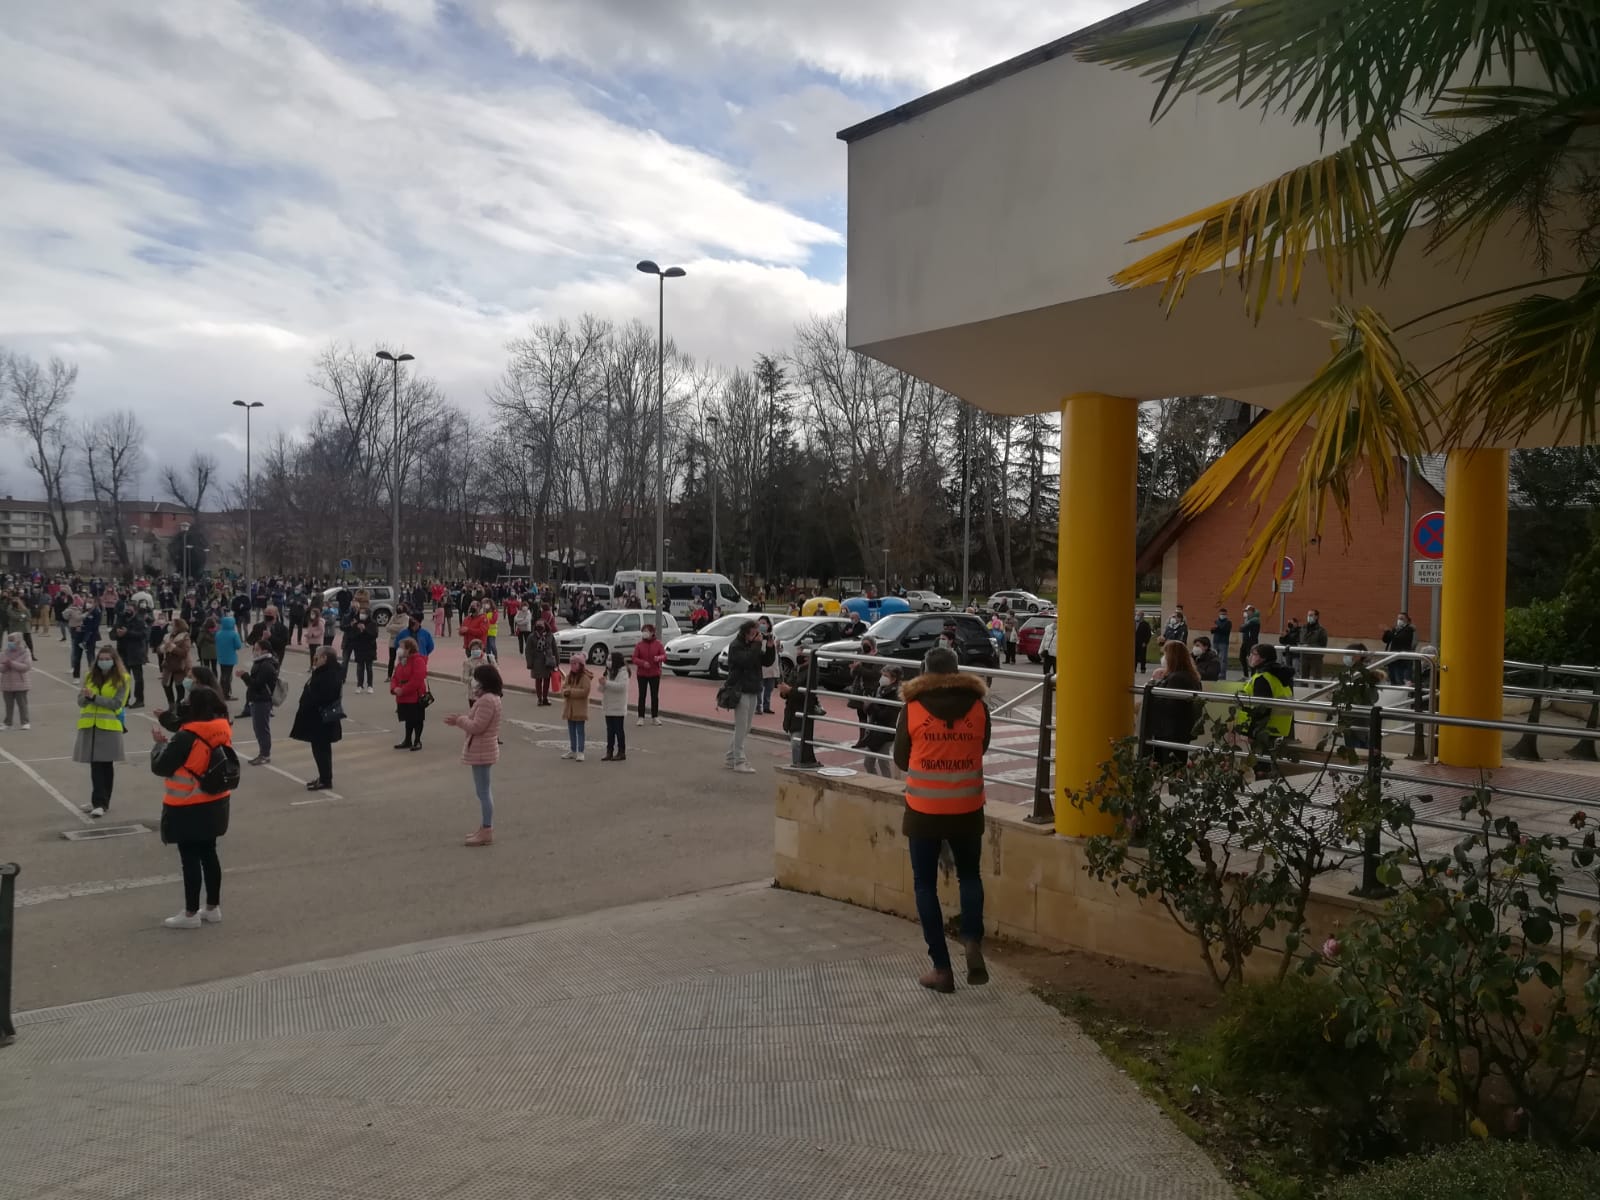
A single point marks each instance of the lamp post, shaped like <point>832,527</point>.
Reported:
<point>183,527</point>
<point>533,538</point>
<point>249,504</point>
<point>666,550</point>
<point>711,463</point>
<point>650,268</point>
<point>886,570</point>
<point>134,552</point>
<point>394,480</point>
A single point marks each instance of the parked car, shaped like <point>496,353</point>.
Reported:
<point>1030,634</point>
<point>1047,648</point>
<point>381,596</point>
<point>615,629</point>
<point>927,602</point>
<point>1020,601</point>
<point>692,653</point>
<point>793,633</point>
<point>909,636</point>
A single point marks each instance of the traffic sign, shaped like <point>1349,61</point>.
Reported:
<point>1427,572</point>
<point>344,564</point>
<point>1285,586</point>
<point>1286,570</point>
<point>1427,535</point>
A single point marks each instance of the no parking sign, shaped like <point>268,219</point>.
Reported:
<point>1427,535</point>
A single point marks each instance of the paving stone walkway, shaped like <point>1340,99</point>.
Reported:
<point>747,1044</point>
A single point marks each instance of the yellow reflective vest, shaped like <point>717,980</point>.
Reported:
<point>105,705</point>
<point>1279,722</point>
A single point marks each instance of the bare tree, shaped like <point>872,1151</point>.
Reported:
<point>35,404</point>
<point>189,486</point>
<point>113,461</point>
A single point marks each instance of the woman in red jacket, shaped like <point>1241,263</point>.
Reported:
<point>409,685</point>
<point>648,655</point>
<point>474,627</point>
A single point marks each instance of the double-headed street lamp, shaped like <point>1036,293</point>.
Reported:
<point>394,479</point>
<point>249,505</point>
<point>711,462</point>
<point>650,268</point>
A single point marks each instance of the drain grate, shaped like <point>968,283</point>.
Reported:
<point>96,833</point>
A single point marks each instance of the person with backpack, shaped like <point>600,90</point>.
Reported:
<point>201,770</point>
<point>260,694</point>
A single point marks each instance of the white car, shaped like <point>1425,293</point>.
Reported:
<point>793,633</point>
<point>698,653</point>
<point>927,602</point>
<point>614,629</point>
<point>1020,601</point>
<point>380,597</point>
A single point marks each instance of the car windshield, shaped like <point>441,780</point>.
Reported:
<point>1036,622</point>
<point>892,626</point>
<point>600,620</point>
<point>724,626</point>
<point>793,627</point>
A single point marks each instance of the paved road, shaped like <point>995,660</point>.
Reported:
<point>378,863</point>
<point>750,1044</point>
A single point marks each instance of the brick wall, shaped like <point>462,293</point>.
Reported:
<point>1356,588</point>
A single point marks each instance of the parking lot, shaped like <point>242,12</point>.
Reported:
<point>376,862</point>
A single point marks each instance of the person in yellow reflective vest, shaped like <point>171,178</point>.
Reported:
<point>101,699</point>
<point>1269,679</point>
<point>939,740</point>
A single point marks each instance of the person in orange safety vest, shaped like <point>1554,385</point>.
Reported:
<point>191,818</point>
<point>939,742</point>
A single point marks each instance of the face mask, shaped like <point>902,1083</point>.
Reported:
<point>1195,650</point>
<point>188,685</point>
<point>477,654</point>
<point>1348,661</point>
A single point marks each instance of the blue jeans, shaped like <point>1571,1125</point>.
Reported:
<point>767,684</point>
<point>480,784</point>
<point>925,884</point>
<point>575,732</point>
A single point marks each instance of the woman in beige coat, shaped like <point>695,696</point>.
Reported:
<point>575,705</point>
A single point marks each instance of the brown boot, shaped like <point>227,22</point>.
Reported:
<point>977,969</point>
<point>938,980</point>
<point>484,837</point>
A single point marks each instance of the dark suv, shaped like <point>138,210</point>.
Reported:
<point>910,636</point>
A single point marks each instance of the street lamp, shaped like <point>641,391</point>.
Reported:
<point>394,480</point>
<point>183,527</point>
<point>711,462</point>
<point>249,506</point>
<point>650,268</point>
<point>886,570</point>
<point>666,550</point>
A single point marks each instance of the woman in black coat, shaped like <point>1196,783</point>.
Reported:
<point>318,718</point>
<point>1172,719</point>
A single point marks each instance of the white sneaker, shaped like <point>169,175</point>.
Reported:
<point>743,769</point>
<point>97,813</point>
<point>569,754</point>
<point>657,721</point>
<point>212,916</point>
<point>639,724</point>
<point>25,725</point>
<point>579,756</point>
<point>183,921</point>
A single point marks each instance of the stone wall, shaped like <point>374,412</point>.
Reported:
<point>841,838</point>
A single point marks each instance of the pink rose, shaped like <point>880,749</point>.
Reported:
<point>1330,949</point>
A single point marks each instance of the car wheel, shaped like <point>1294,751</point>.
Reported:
<point>597,655</point>
<point>786,666</point>
<point>714,672</point>
<point>380,618</point>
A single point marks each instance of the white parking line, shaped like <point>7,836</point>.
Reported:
<point>49,790</point>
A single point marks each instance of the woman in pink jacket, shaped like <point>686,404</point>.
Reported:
<point>481,750</point>
<point>648,655</point>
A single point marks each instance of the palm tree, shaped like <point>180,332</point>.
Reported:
<point>1459,120</point>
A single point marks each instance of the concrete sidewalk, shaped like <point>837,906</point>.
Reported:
<point>742,1044</point>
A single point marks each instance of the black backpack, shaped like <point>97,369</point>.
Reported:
<point>222,773</point>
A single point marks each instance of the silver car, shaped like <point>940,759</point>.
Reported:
<point>927,602</point>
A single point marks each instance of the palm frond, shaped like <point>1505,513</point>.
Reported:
<point>1365,408</point>
<point>1334,206</point>
<point>1529,362</point>
<point>1343,64</point>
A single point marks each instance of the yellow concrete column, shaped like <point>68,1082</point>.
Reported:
<point>1473,607</point>
<point>1094,588</point>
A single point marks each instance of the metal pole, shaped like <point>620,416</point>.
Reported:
<point>886,570</point>
<point>1372,846</point>
<point>1405,547</point>
<point>249,512</point>
<point>8,896</point>
<point>394,545</point>
<point>661,447</point>
<point>966,513</point>
<point>711,461</point>
<point>807,758</point>
<point>1044,808</point>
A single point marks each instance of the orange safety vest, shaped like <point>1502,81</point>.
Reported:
<point>183,785</point>
<point>946,773</point>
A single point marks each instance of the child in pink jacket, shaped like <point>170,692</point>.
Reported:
<point>481,749</point>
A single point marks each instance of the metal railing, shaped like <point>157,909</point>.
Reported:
<point>1370,721</point>
<point>8,925</point>
<point>804,743</point>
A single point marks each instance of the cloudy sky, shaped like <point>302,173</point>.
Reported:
<point>199,194</point>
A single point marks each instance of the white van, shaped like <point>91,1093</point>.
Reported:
<point>680,587</point>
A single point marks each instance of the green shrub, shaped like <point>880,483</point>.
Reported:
<point>1539,632</point>
<point>1287,1027</point>
<point>1478,1171</point>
